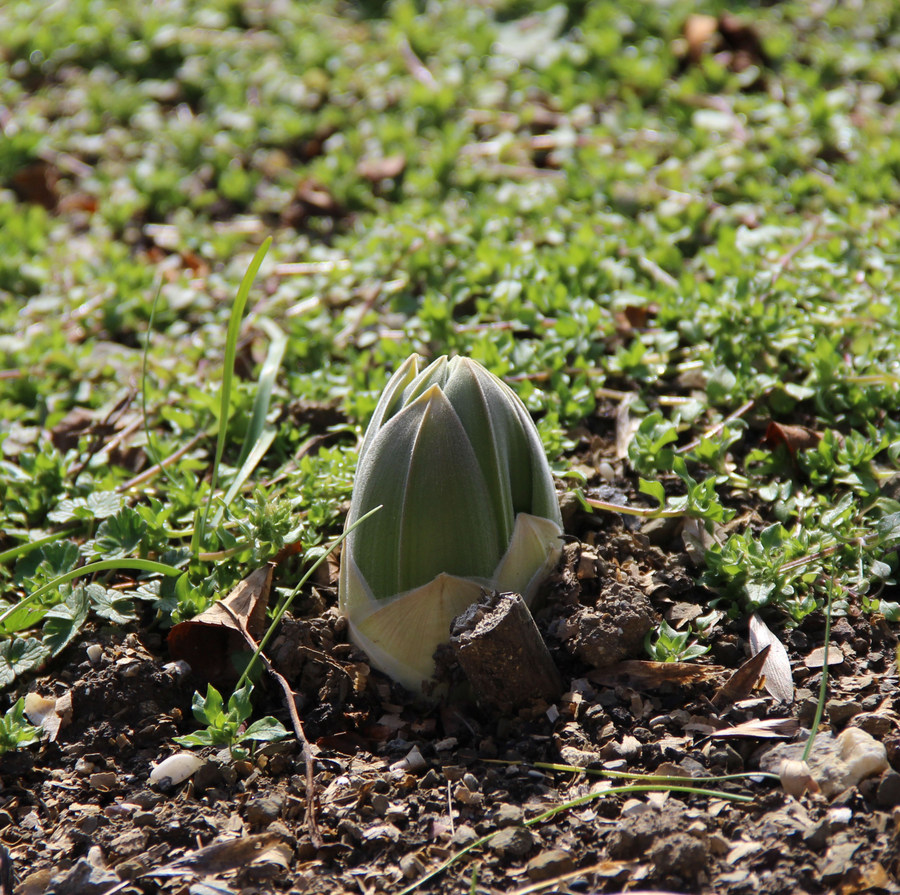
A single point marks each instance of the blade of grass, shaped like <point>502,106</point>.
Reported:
<point>231,337</point>
<point>823,686</point>
<point>148,434</point>
<point>627,775</point>
<point>264,386</point>
<point>17,552</point>
<point>262,444</point>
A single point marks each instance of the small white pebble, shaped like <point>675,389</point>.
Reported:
<point>176,768</point>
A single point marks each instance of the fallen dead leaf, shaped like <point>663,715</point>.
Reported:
<point>50,713</point>
<point>740,684</point>
<point>386,168</point>
<point>768,728</point>
<point>777,667</point>
<point>816,659</point>
<point>652,674</point>
<point>208,641</point>
<point>794,438</point>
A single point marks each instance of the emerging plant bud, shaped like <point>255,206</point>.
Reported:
<point>468,502</point>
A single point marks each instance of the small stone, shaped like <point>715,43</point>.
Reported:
<point>512,842</point>
<point>350,829</point>
<point>471,782</point>
<point>838,858</point>
<point>464,836</point>
<point>396,814</point>
<point>261,812</point>
<point>103,781</point>
<point>83,767</point>
<point>888,792</point>
<point>466,797</point>
<point>431,779</point>
<point>127,845</point>
<point>549,864</point>
<point>146,799</point>
<point>718,844</point>
<point>840,711</point>
<point>509,815</point>
<point>840,817</point>
<point>208,775</point>
<point>84,879</point>
<point>411,867</point>
<point>877,724</point>
<point>94,653</point>
<point>816,837</point>
<point>633,807</point>
<point>679,854</point>
<point>144,819</point>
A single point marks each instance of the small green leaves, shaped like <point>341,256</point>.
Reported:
<point>98,505</point>
<point>226,726</point>
<point>15,731</point>
<point>19,655</point>
<point>668,645</point>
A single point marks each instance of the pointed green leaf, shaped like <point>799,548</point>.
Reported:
<point>437,514</point>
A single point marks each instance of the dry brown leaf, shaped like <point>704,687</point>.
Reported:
<point>228,854</point>
<point>375,169</point>
<point>816,659</point>
<point>207,642</point>
<point>769,729</point>
<point>794,438</point>
<point>652,674</point>
<point>626,425</point>
<point>51,713</point>
<point>777,667</point>
<point>740,684</point>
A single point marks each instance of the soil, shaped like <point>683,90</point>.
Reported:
<point>402,784</point>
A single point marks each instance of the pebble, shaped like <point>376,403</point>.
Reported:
<point>411,867</point>
<point>261,812</point>
<point>878,724</point>
<point>465,796</point>
<point>549,864</point>
<point>509,815</point>
<point>512,842</point>
<point>144,819</point>
<point>103,780</point>
<point>127,845</point>
<point>84,879</point>
<point>680,854</point>
<point>888,792</point>
<point>83,767</point>
<point>840,711</point>
<point>464,836</point>
<point>633,807</point>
